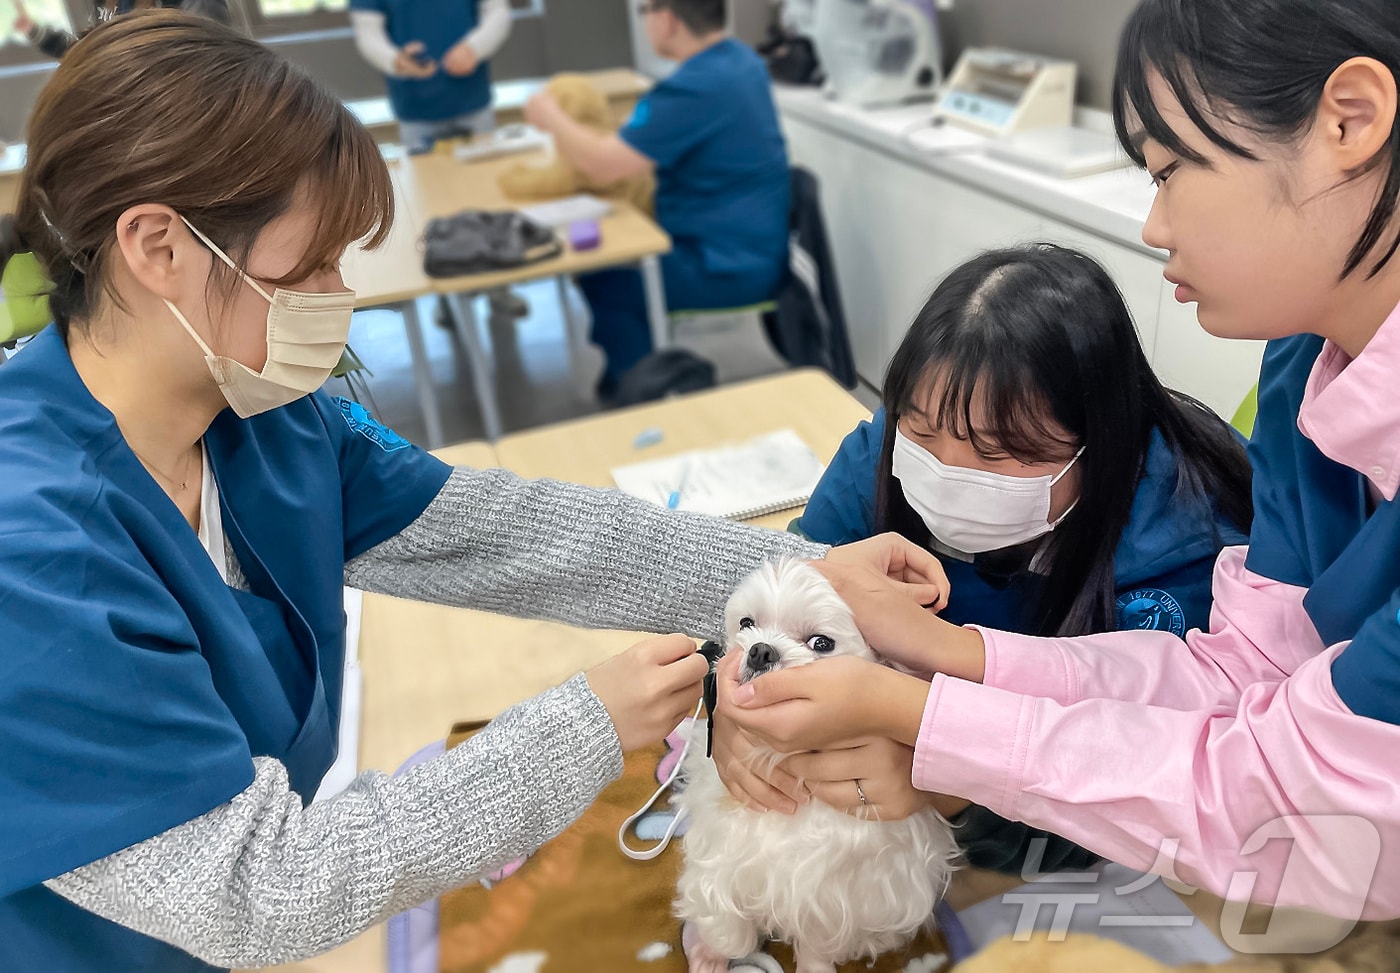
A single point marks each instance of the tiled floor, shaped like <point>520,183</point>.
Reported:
<point>536,381</point>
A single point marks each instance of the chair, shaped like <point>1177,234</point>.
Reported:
<point>24,300</point>
<point>1247,413</point>
<point>804,320</point>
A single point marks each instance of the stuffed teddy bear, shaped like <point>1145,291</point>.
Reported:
<point>585,104</point>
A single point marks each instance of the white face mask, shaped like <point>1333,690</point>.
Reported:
<point>306,335</point>
<point>974,511</point>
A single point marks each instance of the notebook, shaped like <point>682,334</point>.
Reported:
<point>762,476</point>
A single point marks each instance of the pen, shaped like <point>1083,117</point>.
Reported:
<point>674,500</point>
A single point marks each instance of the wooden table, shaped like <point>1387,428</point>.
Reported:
<point>585,451</point>
<point>393,277</point>
<point>436,184</point>
<point>426,667</point>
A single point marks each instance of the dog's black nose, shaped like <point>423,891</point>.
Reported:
<point>762,657</point>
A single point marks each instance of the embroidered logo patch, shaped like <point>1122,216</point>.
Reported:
<point>359,419</point>
<point>1151,610</point>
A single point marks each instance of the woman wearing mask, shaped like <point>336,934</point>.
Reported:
<point>1256,758</point>
<point>1026,442</point>
<point>179,509</point>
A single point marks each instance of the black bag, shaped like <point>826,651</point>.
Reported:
<point>673,371</point>
<point>479,241</point>
<point>791,58</point>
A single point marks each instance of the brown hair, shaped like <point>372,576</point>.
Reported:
<point>163,107</point>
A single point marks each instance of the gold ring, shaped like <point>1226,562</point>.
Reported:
<point>860,793</point>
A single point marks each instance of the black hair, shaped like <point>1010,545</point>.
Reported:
<point>1038,337</point>
<point>700,17</point>
<point>1262,65</point>
<point>11,240</point>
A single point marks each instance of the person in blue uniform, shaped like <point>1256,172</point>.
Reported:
<point>710,133</point>
<point>435,57</point>
<point>181,507</point>
<point>1026,442</point>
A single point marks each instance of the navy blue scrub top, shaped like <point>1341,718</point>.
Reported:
<point>722,182</point>
<point>1162,568</point>
<point>438,25</point>
<point>135,686</point>
<point>1317,526</point>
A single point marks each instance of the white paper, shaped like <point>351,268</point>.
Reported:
<point>1140,911</point>
<point>510,140</point>
<point>570,209</point>
<point>770,473</point>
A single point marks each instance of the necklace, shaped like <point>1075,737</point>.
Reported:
<point>182,481</point>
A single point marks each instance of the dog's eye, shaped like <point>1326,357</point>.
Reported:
<point>746,622</point>
<point>821,644</point>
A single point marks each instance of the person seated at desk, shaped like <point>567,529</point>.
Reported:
<point>1026,442</point>
<point>710,132</point>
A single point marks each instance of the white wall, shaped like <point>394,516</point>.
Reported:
<point>897,229</point>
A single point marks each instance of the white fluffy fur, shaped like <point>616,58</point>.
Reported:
<point>838,888</point>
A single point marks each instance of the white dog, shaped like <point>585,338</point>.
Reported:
<point>835,886</point>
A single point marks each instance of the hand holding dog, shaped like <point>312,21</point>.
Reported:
<point>650,688</point>
<point>878,768</point>
<point>756,787</point>
<point>916,571</point>
<point>896,614</point>
<point>817,707</point>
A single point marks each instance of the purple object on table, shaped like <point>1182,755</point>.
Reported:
<point>959,944</point>
<point>585,235</point>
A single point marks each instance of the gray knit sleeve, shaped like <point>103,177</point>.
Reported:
<point>545,549</point>
<point>261,880</point>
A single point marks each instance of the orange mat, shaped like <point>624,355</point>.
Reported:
<point>579,906</point>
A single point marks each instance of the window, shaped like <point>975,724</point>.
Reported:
<point>14,48</point>
<point>270,12</point>
<point>288,8</point>
<point>50,13</point>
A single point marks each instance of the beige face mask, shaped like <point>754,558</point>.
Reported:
<point>306,335</point>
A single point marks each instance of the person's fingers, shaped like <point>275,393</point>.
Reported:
<point>685,702</point>
<point>685,674</point>
<point>840,794</point>
<point>745,792</point>
<point>908,561</point>
<point>925,595</point>
<point>782,686</point>
<point>413,47</point>
<point>827,765</point>
<point>776,776</point>
<point>666,649</point>
<point>727,678</point>
<point>682,706</point>
<point>765,797</point>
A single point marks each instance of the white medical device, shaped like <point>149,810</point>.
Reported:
<point>874,52</point>
<point>998,92</point>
